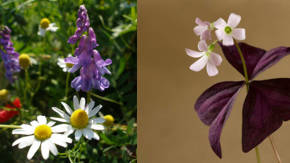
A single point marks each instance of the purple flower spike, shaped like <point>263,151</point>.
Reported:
<point>213,108</point>
<point>257,60</point>
<point>266,106</point>
<point>87,59</point>
<point>8,54</point>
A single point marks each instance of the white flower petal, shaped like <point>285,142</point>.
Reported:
<point>228,40</point>
<point>45,146</point>
<point>88,133</point>
<point>52,27</point>
<point>59,140</point>
<point>33,149</point>
<point>69,131</point>
<point>76,102</point>
<point>97,120</point>
<point>51,123</point>
<point>27,127</point>
<point>96,136</point>
<point>193,53</point>
<point>234,20</point>
<point>95,111</point>
<point>211,69</point>
<point>25,139</point>
<point>60,128</point>
<point>67,108</point>
<point>202,46</point>
<point>22,132</point>
<point>220,23</point>
<point>82,103</point>
<point>78,135</point>
<point>34,123</point>
<point>215,58</point>
<point>220,34</point>
<point>53,148</point>
<point>41,119</point>
<point>27,142</point>
<point>61,113</point>
<point>199,64</point>
<point>97,127</point>
<point>59,119</point>
<point>239,34</point>
<point>41,32</point>
<point>90,106</point>
<point>198,30</point>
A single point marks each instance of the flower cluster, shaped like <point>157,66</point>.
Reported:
<point>8,54</point>
<point>87,59</point>
<point>46,25</point>
<point>6,115</point>
<point>225,32</point>
<point>42,134</point>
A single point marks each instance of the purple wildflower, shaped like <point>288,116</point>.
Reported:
<point>8,54</point>
<point>87,59</point>
<point>267,103</point>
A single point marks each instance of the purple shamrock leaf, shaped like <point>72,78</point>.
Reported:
<point>213,108</point>
<point>257,60</point>
<point>266,106</point>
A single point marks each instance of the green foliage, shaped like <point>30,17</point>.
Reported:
<point>115,25</point>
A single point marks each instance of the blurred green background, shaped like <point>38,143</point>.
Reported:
<point>115,25</point>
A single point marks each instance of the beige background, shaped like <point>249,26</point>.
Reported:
<point>169,129</point>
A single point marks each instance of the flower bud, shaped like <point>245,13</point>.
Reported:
<point>109,120</point>
<point>4,95</point>
<point>44,23</point>
<point>24,61</point>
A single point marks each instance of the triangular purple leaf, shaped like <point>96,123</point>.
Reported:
<point>266,106</point>
<point>213,108</point>
<point>270,58</point>
<point>251,54</point>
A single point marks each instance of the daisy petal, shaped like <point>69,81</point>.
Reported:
<point>220,23</point>
<point>88,133</point>
<point>23,140</point>
<point>67,108</point>
<point>61,113</point>
<point>51,123</point>
<point>41,119</point>
<point>95,111</point>
<point>53,149</point>
<point>22,132</point>
<point>234,20</point>
<point>45,149</point>
<point>96,136</point>
<point>97,120</point>
<point>78,135</point>
<point>59,119</point>
<point>193,53</point>
<point>90,106</point>
<point>60,128</point>
<point>76,103</point>
<point>33,149</point>
<point>34,123</point>
<point>59,140</point>
<point>239,33</point>
<point>26,142</point>
<point>97,127</point>
<point>199,64</point>
<point>82,103</point>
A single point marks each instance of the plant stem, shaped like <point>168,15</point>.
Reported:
<point>105,98</point>
<point>247,83</point>
<point>26,86</point>
<point>9,126</point>
<point>275,149</point>
<point>66,85</point>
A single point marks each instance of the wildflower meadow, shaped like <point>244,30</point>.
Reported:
<point>68,88</point>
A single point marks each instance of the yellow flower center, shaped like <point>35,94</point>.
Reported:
<point>44,23</point>
<point>3,94</point>
<point>42,132</point>
<point>109,120</point>
<point>69,65</point>
<point>24,61</point>
<point>79,119</point>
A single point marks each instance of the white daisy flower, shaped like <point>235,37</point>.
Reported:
<point>45,25</point>
<point>81,120</point>
<point>228,31</point>
<point>207,58</point>
<point>62,64</point>
<point>41,134</point>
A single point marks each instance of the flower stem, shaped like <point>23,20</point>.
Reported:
<point>247,83</point>
<point>9,126</point>
<point>66,85</point>
<point>105,98</point>
<point>26,86</point>
<point>275,149</point>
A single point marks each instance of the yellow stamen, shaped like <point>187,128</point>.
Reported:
<point>69,65</point>
<point>79,119</point>
<point>42,132</point>
<point>44,23</point>
<point>109,120</point>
